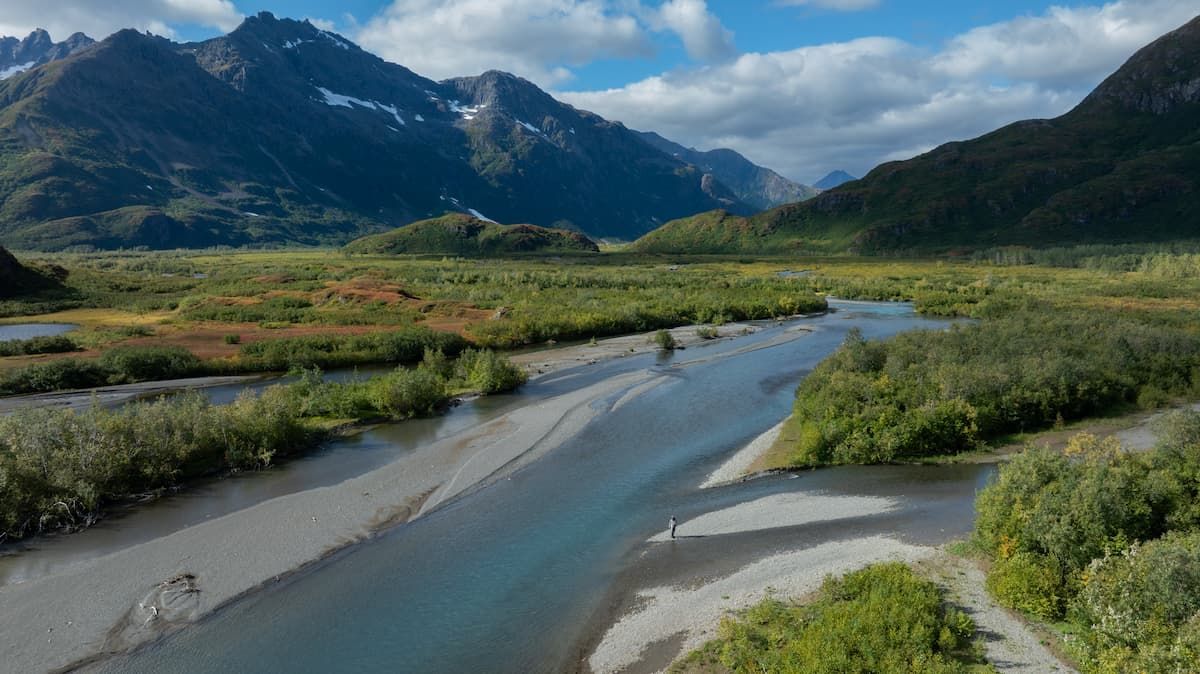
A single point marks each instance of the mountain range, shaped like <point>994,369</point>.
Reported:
<point>755,185</point>
<point>1122,166</point>
<point>280,132</point>
<point>17,56</point>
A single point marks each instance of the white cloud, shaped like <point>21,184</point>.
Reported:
<point>537,39</point>
<point>100,19</point>
<point>323,24</point>
<point>703,35</point>
<point>838,5</point>
<point>852,105</point>
<point>1064,44</point>
<point>533,38</point>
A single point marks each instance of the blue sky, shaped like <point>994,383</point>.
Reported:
<point>801,86</point>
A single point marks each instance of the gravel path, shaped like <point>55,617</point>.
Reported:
<point>1010,645</point>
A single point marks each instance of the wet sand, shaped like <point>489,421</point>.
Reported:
<point>738,465</point>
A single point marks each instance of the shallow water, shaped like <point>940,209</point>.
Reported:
<point>9,333</point>
<point>512,577</point>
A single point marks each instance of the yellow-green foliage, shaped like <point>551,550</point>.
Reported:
<point>1108,539</point>
<point>880,619</point>
<point>1142,606</point>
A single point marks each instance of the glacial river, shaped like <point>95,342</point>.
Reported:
<point>522,575</point>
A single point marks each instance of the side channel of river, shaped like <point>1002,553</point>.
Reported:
<point>526,574</point>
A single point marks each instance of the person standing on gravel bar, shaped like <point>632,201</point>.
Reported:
<point>673,524</point>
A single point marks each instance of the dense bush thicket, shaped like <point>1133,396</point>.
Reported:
<point>923,393</point>
<point>1106,539</point>
<point>37,345</point>
<point>118,365</point>
<point>59,468</point>
<point>404,345</point>
<point>129,364</point>
<point>880,619</point>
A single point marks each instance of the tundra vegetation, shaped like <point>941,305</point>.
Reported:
<point>60,468</point>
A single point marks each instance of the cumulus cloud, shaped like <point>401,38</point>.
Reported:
<point>100,19</point>
<point>702,33</point>
<point>538,39</point>
<point>854,104</point>
<point>1065,44</point>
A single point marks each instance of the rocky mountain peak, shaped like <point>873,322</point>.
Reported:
<point>17,56</point>
<point>1159,78</point>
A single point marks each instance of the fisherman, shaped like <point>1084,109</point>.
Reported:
<point>674,523</point>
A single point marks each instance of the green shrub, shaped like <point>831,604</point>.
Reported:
<point>926,392</point>
<point>233,339</point>
<point>487,372</point>
<point>707,332</point>
<point>406,345</point>
<point>880,619</point>
<point>1072,508</point>
<point>127,364</point>
<point>1138,599</point>
<point>55,375</point>
<point>665,340</point>
<point>59,467</point>
<point>38,345</point>
<point>1028,583</point>
<point>410,393</point>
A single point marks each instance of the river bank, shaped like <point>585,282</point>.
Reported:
<point>128,597</point>
<point>118,601</point>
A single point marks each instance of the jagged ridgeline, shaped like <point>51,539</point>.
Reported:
<point>1123,166</point>
<point>466,235</point>
<point>280,132</point>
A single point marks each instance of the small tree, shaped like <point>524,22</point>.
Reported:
<point>665,340</point>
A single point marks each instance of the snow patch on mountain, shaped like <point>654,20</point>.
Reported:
<point>467,111</point>
<point>343,101</point>
<point>481,216</point>
<point>16,70</point>
<point>335,39</point>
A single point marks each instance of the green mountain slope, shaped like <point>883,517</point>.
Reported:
<point>458,234</point>
<point>280,132</point>
<point>1123,166</point>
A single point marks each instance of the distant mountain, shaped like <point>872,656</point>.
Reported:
<point>466,235</point>
<point>833,179</point>
<point>17,56</point>
<point>760,187</point>
<point>1123,166</point>
<point>283,133</point>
